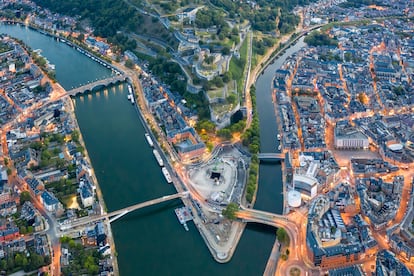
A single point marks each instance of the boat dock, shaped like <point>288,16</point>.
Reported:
<point>184,214</point>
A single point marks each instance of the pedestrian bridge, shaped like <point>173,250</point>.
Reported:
<point>114,215</point>
<point>271,156</point>
<point>89,87</point>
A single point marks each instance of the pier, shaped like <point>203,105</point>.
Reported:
<point>184,214</point>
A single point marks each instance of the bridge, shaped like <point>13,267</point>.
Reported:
<point>99,83</point>
<point>293,226</point>
<point>271,156</point>
<point>114,215</point>
<point>253,215</point>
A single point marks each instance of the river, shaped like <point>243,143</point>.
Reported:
<point>151,241</point>
<point>270,193</point>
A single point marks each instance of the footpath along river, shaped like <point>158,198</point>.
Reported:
<point>151,241</point>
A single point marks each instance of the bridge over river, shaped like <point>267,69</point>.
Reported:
<point>114,215</point>
<point>99,83</point>
<point>271,156</point>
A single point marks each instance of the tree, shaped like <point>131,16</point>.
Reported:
<point>206,126</point>
<point>209,59</point>
<point>10,263</point>
<point>225,133</point>
<point>218,82</point>
<point>282,236</point>
<point>81,37</point>
<point>317,38</point>
<point>36,260</point>
<point>65,239</point>
<point>230,211</point>
<point>129,63</point>
<point>24,196</point>
<point>80,149</point>
<point>18,260</point>
<point>225,51</point>
<point>60,163</point>
<point>231,98</point>
<point>227,77</point>
<point>23,230</point>
<point>75,136</point>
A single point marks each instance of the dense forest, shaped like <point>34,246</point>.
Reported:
<point>263,16</point>
<point>106,16</point>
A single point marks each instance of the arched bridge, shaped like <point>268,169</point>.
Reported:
<point>114,215</point>
<point>93,85</point>
<point>271,156</point>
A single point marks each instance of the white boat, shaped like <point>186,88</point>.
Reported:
<point>132,99</point>
<point>278,137</point>
<point>279,147</point>
<point>166,174</point>
<point>149,140</point>
<point>129,97</point>
<point>158,157</point>
<point>129,89</point>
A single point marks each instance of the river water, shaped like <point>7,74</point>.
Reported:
<point>151,241</point>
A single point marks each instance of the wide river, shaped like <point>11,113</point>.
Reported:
<point>151,241</point>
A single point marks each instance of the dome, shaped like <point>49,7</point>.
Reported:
<point>294,199</point>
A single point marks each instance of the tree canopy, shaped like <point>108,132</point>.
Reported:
<point>24,196</point>
<point>107,16</point>
<point>230,211</point>
<point>317,38</point>
<point>282,236</point>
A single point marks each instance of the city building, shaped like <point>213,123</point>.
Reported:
<point>388,264</point>
<point>50,202</point>
<point>86,192</point>
<point>349,137</point>
<point>331,242</point>
<point>306,185</point>
<point>187,144</point>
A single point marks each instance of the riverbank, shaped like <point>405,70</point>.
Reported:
<point>68,101</point>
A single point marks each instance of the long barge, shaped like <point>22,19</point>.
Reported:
<point>158,157</point>
<point>149,140</point>
<point>166,175</point>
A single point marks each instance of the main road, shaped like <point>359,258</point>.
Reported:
<point>295,227</point>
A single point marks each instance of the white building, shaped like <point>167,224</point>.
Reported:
<point>307,186</point>
<point>50,202</point>
<point>348,137</point>
<point>86,193</point>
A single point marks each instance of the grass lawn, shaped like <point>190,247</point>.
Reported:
<point>237,66</point>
